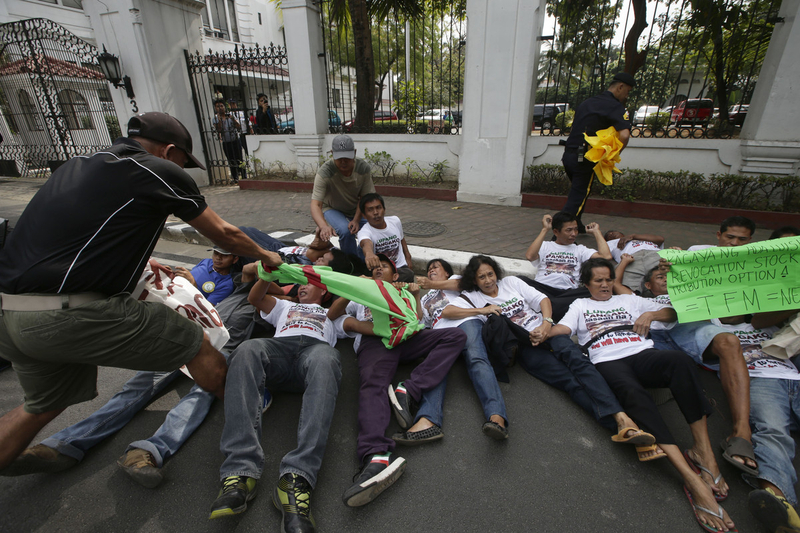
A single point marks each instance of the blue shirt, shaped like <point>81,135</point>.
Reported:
<point>214,286</point>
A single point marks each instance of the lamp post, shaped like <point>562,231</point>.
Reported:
<point>109,65</point>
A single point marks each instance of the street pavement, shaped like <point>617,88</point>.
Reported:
<point>558,470</point>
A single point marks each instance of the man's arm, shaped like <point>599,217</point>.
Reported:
<point>326,231</point>
<point>446,285</point>
<point>772,318</point>
<point>259,298</point>
<point>624,261</point>
<point>355,224</point>
<point>231,238</point>
<point>337,308</point>
<point>370,259</point>
<point>413,288</point>
<point>642,324</point>
<point>532,254</point>
<point>406,252</point>
<point>658,240</point>
<point>602,246</point>
<point>624,137</point>
<point>249,272</point>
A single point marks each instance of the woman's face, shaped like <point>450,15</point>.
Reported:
<point>601,283</point>
<point>436,272</point>
<point>486,279</point>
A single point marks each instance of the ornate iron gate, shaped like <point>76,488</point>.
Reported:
<point>54,100</point>
<point>238,78</point>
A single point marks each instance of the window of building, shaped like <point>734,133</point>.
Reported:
<point>29,110</point>
<point>75,110</point>
<point>234,24</point>
<point>219,19</point>
<point>76,4</point>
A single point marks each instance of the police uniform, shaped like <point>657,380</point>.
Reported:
<point>595,114</point>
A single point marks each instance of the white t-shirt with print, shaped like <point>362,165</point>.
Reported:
<point>663,301</point>
<point>697,247</point>
<point>631,248</point>
<point>434,302</point>
<point>386,241</point>
<point>291,319</point>
<point>519,301</point>
<point>559,265</point>
<point>359,312</point>
<point>760,364</point>
<point>589,318</point>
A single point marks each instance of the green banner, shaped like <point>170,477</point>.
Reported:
<point>738,280</point>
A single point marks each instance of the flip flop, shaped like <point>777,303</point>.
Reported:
<point>742,448</point>
<point>719,514</point>
<point>640,438</point>
<point>699,469</point>
<point>652,447</point>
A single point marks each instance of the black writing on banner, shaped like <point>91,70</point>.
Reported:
<point>728,281</point>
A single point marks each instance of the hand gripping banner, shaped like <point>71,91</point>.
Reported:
<point>394,314</point>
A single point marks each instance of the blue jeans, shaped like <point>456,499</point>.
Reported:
<point>347,241</point>
<point>179,425</point>
<point>295,364</point>
<point>774,414</point>
<point>480,372</point>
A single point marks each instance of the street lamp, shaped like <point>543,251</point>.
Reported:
<point>109,64</point>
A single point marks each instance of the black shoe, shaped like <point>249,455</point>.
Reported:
<point>232,499</point>
<point>413,438</point>
<point>581,227</point>
<point>39,459</point>
<point>292,497</point>
<point>774,512</point>
<point>141,466</point>
<point>380,472</point>
<point>495,430</point>
<point>403,405</point>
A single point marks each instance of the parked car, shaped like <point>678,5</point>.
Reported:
<point>640,117</point>
<point>737,114</point>
<point>334,123</point>
<point>380,116</point>
<point>435,115</point>
<point>694,111</point>
<point>545,114</point>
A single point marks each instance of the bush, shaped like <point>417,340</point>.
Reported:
<point>657,120</point>
<point>765,193</point>
<point>564,120</point>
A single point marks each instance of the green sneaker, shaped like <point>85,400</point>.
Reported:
<point>292,496</point>
<point>773,511</point>
<point>232,499</point>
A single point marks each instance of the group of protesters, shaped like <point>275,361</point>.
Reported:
<point>65,309</point>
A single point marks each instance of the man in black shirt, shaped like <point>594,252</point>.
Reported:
<point>77,252</point>
<point>596,113</point>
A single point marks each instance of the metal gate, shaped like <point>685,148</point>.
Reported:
<point>54,100</point>
<point>239,79</point>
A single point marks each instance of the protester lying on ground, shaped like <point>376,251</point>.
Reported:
<point>383,235</point>
<point>558,262</point>
<point>338,186</point>
<point>380,467</point>
<point>68,267</point>
<point>774,412</point>
<point>734,231</point>
<point>644,247</point>
<point>614,330</point>
<point>212,277</point>
<point>301,356</point>
<point>785,231</point>
<point>475,356</point>
<point>711,346</point>
<point>565,368</point>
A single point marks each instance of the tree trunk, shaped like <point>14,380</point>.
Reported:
<point>634,59</point>
<point>365,64</point>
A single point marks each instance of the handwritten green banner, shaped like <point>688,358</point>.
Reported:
<point>739,280</point>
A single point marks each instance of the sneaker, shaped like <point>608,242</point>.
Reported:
<point>413,438</point>
<point>495,430</point>
<point>402,405</point>
<point>232,499</point>
<point>292,497</point>
<point>380,471</point>
<point>141,466</point>
<point>773,511</point>
<point>39,459</point>
<point>267,401</point>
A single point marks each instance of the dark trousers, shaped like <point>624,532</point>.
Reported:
<point>568,369</point>
<point>560,299</point>
<point>581,175</point>
<point>653,368</point>
<point>377,367</point>
<point>233,151</point>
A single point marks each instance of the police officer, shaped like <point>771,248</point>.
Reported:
<point>596,113</point>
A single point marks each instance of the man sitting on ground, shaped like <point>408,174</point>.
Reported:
<point>383,235</point>
<point>212,277</point>
<point>734,231</point>
<point>301,356</point>
<point>558,262</point>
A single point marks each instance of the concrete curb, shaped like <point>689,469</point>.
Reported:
<point>182,232</point>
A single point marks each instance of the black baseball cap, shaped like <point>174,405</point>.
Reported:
<point>166,129</point>
<point>626,78</point>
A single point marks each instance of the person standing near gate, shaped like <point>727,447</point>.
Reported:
<point>244,124</point>
<point>265,118</point>
<point>228,129</point>
<point>595,114</point>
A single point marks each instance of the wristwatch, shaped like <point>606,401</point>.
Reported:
<point>548,319</point>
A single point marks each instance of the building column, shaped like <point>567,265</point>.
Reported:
<point>499,80</point>
<point>769,138</point>
<point>305,52</point>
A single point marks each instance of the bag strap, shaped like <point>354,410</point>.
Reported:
<point>467,299</point>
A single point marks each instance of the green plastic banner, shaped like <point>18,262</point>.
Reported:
<point>394,315</point>
<point>730,281</point>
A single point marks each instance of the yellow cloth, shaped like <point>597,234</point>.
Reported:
<point>605,150</point>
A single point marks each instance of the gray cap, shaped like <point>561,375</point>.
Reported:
<point>626,78</point>
<point>221,250</point>
<point>343,147</point>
